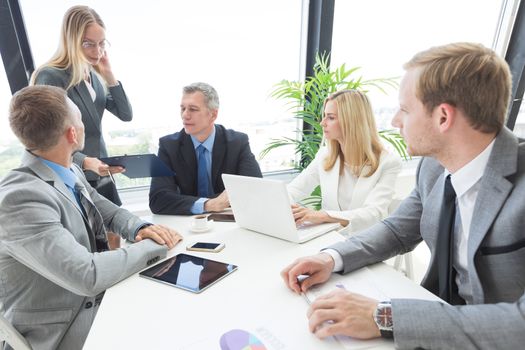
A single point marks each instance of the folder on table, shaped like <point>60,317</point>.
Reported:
<point>140,165</point>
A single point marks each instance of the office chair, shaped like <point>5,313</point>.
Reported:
<point>10,335</point>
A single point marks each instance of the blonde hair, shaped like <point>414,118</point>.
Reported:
<point>468,76</point>
<point>69,55</point>
<point>361,142</point>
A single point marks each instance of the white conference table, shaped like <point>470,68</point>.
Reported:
<point>138,313</point>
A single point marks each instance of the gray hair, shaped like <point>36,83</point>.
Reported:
<point>210,94</point>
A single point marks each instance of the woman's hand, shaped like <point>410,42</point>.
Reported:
<point>104,68</point>
<point>303,214</point>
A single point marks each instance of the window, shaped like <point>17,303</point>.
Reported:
<point>240,47</point>
<point>10,149</point>
<point>381,35</point>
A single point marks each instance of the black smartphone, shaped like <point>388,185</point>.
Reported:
<point>221,217</point>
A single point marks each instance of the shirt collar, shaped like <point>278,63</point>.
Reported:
<point>67,175</point>
<point>470,173</point>
<point>208,143</point>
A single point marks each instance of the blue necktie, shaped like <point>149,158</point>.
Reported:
<point>202,173</point>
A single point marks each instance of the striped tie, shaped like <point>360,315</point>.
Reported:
<point>97,232</point>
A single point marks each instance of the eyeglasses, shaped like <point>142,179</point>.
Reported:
<point>87,44</point>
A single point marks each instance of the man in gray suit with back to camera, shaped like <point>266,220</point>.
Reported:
<point>199,154</point>
<point>54,259</point>
<point>468,206</point>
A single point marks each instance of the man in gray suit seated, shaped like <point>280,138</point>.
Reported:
<point>468,206</point>
<point>54,259</point>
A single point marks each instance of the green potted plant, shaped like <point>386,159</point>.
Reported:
<point>306,99</point>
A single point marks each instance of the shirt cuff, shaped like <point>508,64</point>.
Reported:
<point>338,259</point>
<point>198,206</point>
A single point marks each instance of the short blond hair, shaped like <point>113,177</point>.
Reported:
<point>361,142</point>
<point>468,76</point>
<point>39,115</point>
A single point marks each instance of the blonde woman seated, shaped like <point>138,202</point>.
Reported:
<point>356,174</point>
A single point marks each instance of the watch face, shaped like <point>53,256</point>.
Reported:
<point>383,316</point>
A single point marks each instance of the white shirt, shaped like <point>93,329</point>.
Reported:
<point>345,189</point>
<point>466,183</point>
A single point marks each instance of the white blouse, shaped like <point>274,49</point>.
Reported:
<point>363,201</point>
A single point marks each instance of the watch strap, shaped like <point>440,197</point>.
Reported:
<point>387,333</point>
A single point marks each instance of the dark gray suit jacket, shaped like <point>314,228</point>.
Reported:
<point>175,195</point>
<point>496,257</point>
<point>49,273</point>
<point>115,101</point>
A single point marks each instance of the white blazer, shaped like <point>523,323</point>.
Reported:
<point>370,198</point>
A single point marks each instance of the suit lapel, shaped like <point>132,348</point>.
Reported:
<point>219,152</point>
<point>82,91</point>
<point>495,188</point>
<point>49,176</point>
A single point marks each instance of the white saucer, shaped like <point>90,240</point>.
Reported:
<point>201,230</point>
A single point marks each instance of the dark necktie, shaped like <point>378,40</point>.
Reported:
<point>445,242</point>
<point>202,173</point>
<point>98,235</point>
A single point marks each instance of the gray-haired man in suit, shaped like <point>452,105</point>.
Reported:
<point>54,263</point>
<point>453,103</point>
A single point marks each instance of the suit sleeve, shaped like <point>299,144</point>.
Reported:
<point>375,207</point>
<point>303,184</point>
<point>397,234</point>
<point>33,233</point>
<point>248,165</point>
<point>420,324</point>
<point>117,103</point>
<point>165,196</point>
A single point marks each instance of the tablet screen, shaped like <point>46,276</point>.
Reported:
<point>189,272</point>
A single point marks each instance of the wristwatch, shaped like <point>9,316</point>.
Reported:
<point>383,319</point>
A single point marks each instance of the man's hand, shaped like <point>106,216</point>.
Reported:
<point>318,268</point>
<point>218,203</point>
<point>342,312</point>
<point>100,168</point>
<point>160,234</point>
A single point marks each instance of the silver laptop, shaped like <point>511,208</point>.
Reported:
<point>263,205</point>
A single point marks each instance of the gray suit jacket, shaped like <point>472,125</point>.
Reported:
<point>496,257</point>
<point>49,275</point>
<point>115,101</point>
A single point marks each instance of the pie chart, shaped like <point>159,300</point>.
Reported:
<point>238,339</point>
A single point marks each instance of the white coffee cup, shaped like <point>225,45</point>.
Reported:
<point>200,222</point>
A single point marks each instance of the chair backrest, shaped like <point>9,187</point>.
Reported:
<point>10,335</point>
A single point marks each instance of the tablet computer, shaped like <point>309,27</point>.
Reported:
<point>140,165</point>
<point>189,272</point>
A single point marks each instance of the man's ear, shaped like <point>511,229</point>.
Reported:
<point>214,114</point>
<point>71,134</point>
<point>446,116</point>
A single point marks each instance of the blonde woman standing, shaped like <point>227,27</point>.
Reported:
<point>356,174</point>
<point>81,66</point>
